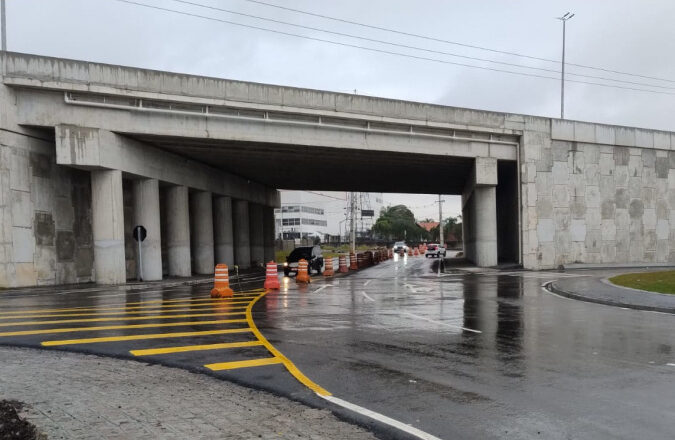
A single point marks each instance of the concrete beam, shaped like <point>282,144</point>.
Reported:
<point>222,230</point>
<point>242,243</point>
<point>178,232</point>
<point>93,148</point>
<point>257,234</point>
<point>201,223</point>
<point>108,226</point>
<point>146,213</point>
<point>269,233</point>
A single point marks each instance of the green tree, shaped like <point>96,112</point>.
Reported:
<point>398,223</point>
<point>451,226</point>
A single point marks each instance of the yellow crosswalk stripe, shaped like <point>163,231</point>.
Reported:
<point>118,318</point>
<point>185,348</point>
<point>243,364</point>
<point>158,306</point>
<point>141,337</point>
<point>32,316</point>
<point>186,300</point>
<point>118,327</point>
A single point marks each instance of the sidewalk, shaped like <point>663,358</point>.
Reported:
<point>74,396</point>
<point>597,289</point>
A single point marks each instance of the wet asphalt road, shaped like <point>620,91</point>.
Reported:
<point>458,356</point>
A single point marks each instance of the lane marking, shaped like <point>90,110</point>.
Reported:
<point>243,364</point>
<point>185,309</point>
<point>322,287</point>
<point>140,337</point>
<point>367,282</point>
<point>185,348</point>
<point>381,418</point>
<point>367,296</point>
<point>423,318</point>
<point>118,327</point>
<point>670,364</point>
<point>158,306</point>
<point>120,318</point>
<point>277,354</point>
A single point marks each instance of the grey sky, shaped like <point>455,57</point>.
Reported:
<point>633,36</point>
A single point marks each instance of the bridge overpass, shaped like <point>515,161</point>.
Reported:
<point>87,150</point>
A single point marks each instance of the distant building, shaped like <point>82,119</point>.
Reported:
<point>428,226</point>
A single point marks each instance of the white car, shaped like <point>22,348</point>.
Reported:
<point>434,250</point>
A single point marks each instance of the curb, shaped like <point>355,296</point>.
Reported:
<point>551,287</point>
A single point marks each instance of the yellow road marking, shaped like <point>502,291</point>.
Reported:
<point>158,306</point>
<point>140,337</point>
<point>118,327</point>
<point>110,313</point>
<point>119,318</point>
<point>243,364</point>
<point>182,349</point>
<point>277,354</point>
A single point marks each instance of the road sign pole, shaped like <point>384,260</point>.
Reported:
<point>140,262</point>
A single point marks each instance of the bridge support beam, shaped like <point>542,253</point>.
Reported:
<point>222,230</point>
<point>242,241</point>
<point>146,213</point>
<point>479,214</point>
<point>268,231</point>
<point>108,226</point>
<point>178,231</point>
<point>257,233</point>
<point>201,222</point>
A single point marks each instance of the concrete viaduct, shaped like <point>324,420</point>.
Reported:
<point>88,150</point>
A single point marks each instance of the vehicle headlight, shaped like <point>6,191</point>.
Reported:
<point>285,263</point>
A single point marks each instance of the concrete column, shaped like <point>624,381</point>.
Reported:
<point>269,233</point>
<point>108,226</point>
<point>178,231</point>
<point>222,230</point>
<point>146,213</point>
<point>486,226</point>
<point>242,244</point>
<point>257,233</point>
<point>201,223</point>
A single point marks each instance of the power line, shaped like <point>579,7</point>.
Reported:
<point>388,52</point>
<point>406,46</point>
<point>440,40</point>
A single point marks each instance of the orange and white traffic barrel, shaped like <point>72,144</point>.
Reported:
<point>303,272</point>
<point>342,264</point>
<point>410,252</point>
<point>353,263</point>
<point>328,270</point>
<point>271,276</point>
<point>221,282</point>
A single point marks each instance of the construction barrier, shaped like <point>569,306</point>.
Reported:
<point>391,253</point>
<point>303,272</point>
<point>328,270</point>
<point>342,264</point>
<point>416,253</point>
<point>410,252</point>
<point>221,282</point>
<point>272,277</point>
<point>353,263</point>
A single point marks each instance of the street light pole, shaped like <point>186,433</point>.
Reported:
<point>3,24</point>
<point>564,19</point>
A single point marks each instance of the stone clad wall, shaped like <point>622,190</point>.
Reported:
<point>589,202</point>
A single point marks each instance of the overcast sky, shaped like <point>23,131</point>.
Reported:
<point>629,36</point>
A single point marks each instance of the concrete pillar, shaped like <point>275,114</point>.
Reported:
<point>146,213</point>
<point>486,226</point>
<point>269,233</point>
<point>201,222</point>
<point>257,233</point>
<point>222,230</point>
<point>108,226</point>
<point>178,231</point>
<point>242,244</point>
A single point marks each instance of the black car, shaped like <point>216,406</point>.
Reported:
<point>313,256</point>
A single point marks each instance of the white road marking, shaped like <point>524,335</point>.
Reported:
<point>381,418</point>
<point>412,289</point>
<point>322,287</point>
<point>670,364</point>
<point>423,318</point>
<point>367,282</point>
<point>367,297</point>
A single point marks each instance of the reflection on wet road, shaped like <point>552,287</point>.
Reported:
<point>479,355</point>
<point>460,355</point>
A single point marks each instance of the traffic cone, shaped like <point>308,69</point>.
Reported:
<point>272,278</point>
<point>221,282</point>
<point>342,264</point>
<point>353,263</point>
<point>416,252</point>
<point>328,270</point>
<point>303,273</point>
<point>410,252</point>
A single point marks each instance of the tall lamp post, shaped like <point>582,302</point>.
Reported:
<point>564,19</point>
<point>3,24</point>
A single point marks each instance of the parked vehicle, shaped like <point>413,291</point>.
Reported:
<point>434,250</point>
<point>400,247</point>
<point>313,256</point>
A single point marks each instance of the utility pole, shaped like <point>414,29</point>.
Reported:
<point>564,19</point>
<point>352,220</point>
<point>440,230</point>
<point>3,24</point>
